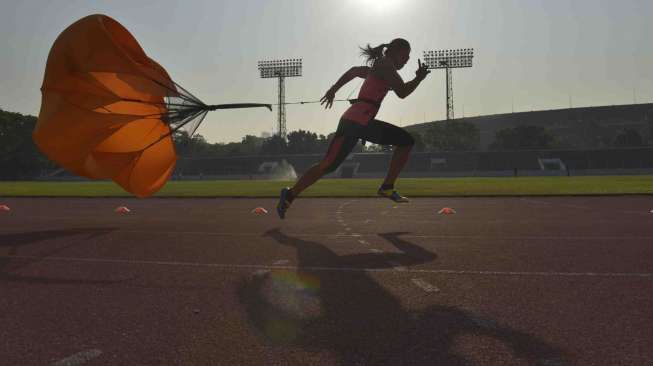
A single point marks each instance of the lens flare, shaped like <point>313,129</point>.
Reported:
<point>293,299</point>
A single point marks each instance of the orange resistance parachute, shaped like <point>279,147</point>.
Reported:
<point>108,111</point>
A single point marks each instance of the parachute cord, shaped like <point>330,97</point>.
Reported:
<point>316,101</point>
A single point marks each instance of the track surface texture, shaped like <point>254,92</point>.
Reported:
<point>504,281</point>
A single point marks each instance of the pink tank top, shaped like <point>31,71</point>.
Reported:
<point>373,90</point>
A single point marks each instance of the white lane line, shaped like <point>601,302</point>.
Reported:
<point>364,242</point>
<point>396,266</point>
<point>79,358</point>
<point>304,235</point>
<point>336,269</point>
<point>424,285</point>
<point>551,362</point>
<point>261,272</point>
<point>580,207</point>
<point>485,323</point>
<point>281,262</point>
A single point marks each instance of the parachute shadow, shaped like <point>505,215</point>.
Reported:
<point>9,264</point>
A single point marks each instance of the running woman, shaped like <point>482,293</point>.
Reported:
<point>358,121</point>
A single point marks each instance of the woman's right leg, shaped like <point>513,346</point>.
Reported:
<point>340,147</point>
<point>307,179</point>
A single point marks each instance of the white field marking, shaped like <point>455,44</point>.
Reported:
<point>529,200</point>
<point>304,235</point>
<point>261,272</point>
<point>368,221</point>
<point>424,285</point>
<point>580,207</point>
<point>485,323</point>
<point>334,269</point>
<point>356,235</point>
<point>281,261</point>
<point>79,358</point>
<point>551,362</point>
<point>364,242</point>
<point>396,266</point>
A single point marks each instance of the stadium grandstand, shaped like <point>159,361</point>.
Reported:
<point>580,159</point>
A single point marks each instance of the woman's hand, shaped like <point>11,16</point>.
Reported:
<point>328,98</point>
<point>422,70</point>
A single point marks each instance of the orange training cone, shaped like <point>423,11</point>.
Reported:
<point>4,208</point>
<point>122,209</point>
<point>447,211</point>
<point>260,211</point>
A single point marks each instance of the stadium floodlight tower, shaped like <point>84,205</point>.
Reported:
<point>449,59</point>
<point>281,69</point>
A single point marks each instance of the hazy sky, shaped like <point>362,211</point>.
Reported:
<point>535,52</point>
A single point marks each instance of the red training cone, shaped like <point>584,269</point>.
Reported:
<point>447,211</point>
<point>260,211</point>
<point>4,208</point>
<point>122,209</point>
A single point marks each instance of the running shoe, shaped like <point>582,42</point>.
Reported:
<point>284,203</point>
<point>393,195</point>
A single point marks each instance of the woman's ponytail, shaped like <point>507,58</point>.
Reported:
<point>372,53</point>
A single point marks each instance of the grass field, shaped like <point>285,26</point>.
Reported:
<point>422,187</point>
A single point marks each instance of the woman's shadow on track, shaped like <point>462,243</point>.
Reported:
<point>348,313</point>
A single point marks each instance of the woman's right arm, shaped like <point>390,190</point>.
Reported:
<point>388,73</point>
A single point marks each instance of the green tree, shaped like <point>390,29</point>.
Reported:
<point>274,145</point>
<point>19,156</point>
<point>628,138</point>
<point>302,142</point>
<point>420,144</point>
<point>453,136</point>
<point>190,146</point>
<point>251,145</point>
<point>523,137</point>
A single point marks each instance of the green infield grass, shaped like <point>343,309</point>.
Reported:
<point>411,187</point>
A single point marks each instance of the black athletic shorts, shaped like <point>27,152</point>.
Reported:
<point>348,134</point>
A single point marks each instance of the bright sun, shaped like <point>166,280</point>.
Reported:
<point>380,6</point>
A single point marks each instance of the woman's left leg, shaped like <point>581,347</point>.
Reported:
<point>384,133</point>
<point>399,158</point>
